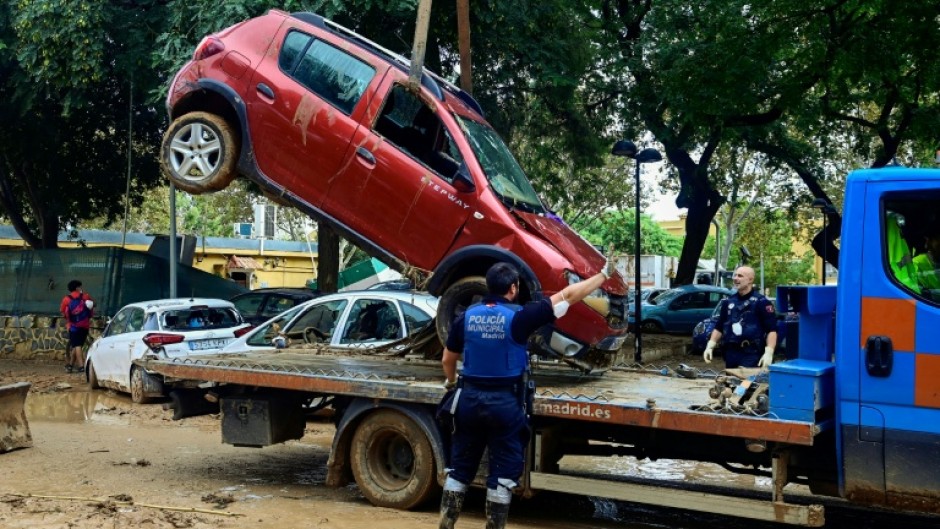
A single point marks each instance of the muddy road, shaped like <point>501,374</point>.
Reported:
<point>99,460</point>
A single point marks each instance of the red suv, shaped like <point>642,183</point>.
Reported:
<point>324,120</point>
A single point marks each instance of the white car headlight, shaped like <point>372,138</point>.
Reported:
<point>597,300</point>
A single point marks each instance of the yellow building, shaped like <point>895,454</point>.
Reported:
<point>255,263</point>
<point>800,245</point>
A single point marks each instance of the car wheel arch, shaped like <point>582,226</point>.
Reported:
<point>220,99</point>
<point>475,260</point>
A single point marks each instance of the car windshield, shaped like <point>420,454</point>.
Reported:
<point>502,170</point>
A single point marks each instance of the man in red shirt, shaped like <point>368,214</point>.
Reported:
<point>77,308</point>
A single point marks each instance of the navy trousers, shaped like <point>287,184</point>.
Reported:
<point>489,418</point>
<point>737,357</point>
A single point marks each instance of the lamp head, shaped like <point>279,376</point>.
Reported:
<point>624,148</point>
<point>648,156</point>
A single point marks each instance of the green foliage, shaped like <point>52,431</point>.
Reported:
<point>617,228</point>
<point>772,234</point>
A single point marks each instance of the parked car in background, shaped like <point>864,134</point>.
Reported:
<point>647,295</point>
<point>168,327</point>
<point>678,310</point>
<point>326,121</point>
<point>703,331</point>
<point>361,319</point>
<point>394,284</point>
<point>262,304</point>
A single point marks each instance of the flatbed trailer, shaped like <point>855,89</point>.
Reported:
<point>387,439</point>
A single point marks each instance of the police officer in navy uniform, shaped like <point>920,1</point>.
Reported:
<point>490,413</point>
<point>745,319</point>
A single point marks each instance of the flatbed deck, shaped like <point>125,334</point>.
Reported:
<point>619,397</point>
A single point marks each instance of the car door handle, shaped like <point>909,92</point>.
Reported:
<point>266,91</point>
<point>364,153</point>
<point>879,356</point>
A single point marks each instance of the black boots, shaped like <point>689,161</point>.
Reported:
<point>451,503</point>
<point>496,515</point>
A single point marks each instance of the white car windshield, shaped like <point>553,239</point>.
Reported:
<point>201,317</point>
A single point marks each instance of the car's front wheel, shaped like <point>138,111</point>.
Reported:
<point>199,153</point>
<point>455,301</point>
<point>652,326</point>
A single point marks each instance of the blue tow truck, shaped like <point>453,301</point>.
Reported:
<point>855,413</point>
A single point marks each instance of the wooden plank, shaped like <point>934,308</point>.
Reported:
<point>805,515</point>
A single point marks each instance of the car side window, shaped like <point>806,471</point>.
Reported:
<point>412,126</point>
<point>248,304</point>
<point>329,72</point>
<point>119,322</point>
<point>276,305</point>
<point>135,320</point>
<point>371,320</point>
<point>714,298</point>
<point>682,302</point>
<point>415,318</point>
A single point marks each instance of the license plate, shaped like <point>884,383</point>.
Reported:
<point>200,345</point>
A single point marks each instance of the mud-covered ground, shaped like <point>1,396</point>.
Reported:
<point>99,460</point>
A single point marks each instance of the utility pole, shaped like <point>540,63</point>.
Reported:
<point>463,37</point>
<point>420,43</point>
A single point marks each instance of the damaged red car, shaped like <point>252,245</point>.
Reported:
<point>325,120</point>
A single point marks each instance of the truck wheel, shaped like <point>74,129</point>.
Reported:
<point>92,376</point>
<point>455,301</point>
<point>392,461</point>
<point>199,153</point>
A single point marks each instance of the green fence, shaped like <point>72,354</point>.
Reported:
<point>34,281</point>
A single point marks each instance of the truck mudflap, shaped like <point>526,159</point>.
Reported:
<point>14,428</point>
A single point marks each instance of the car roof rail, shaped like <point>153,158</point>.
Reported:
<point>430,80</point>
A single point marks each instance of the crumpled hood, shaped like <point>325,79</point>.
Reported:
<point>585,259</point>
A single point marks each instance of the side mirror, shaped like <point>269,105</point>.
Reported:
<point>463,182</point>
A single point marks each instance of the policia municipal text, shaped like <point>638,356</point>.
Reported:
<point>489,410</point>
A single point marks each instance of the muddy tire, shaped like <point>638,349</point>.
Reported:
<point>392,461</point>
<point>199,153</point>
<point>651,326</point>
<point>455,301</point>
<point>92,376</point>
<point>138,386</point>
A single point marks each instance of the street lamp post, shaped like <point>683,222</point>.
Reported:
<point>628,149</point>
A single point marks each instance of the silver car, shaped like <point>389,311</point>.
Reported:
<point>167,327</point>
<point>361,319</point>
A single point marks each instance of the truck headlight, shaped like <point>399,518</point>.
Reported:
<point>597,300</point>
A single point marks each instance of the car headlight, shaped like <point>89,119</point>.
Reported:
<point>597,300</point>
<point>699,328</point>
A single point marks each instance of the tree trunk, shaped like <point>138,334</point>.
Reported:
<point>328,258</point>
<point>702,202</point>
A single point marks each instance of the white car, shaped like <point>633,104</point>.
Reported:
<point>361,319</point>
<point>169,328</point>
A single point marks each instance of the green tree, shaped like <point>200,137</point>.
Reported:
<point>617,227</point>
<point>73,75</point>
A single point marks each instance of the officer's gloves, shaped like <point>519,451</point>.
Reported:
<point>449,384</point>
<point>767,359</point>
<point>707,356</point>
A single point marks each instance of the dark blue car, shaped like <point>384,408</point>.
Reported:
<point>703,331</point>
